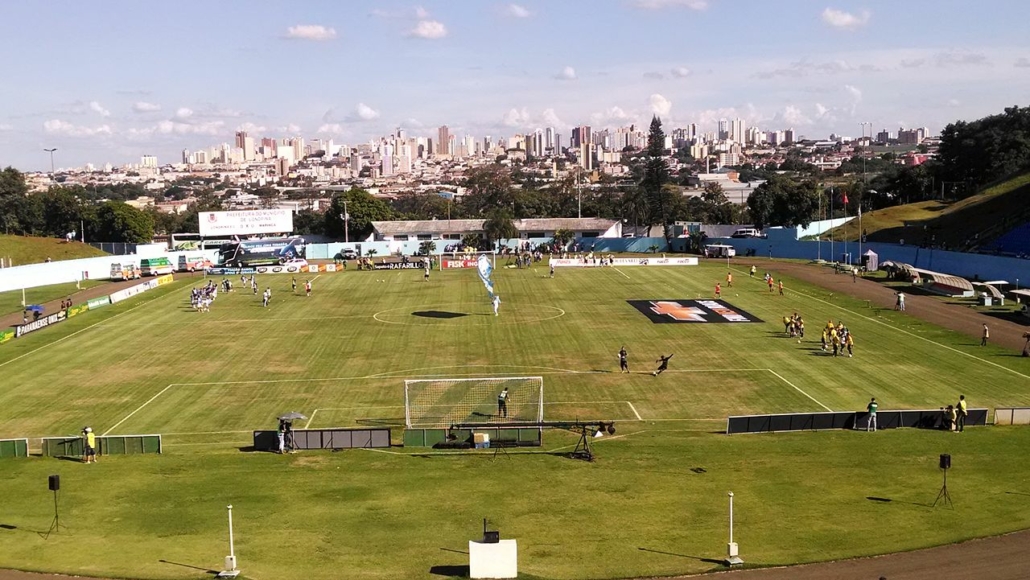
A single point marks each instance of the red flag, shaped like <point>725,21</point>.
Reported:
<point>845,199</point>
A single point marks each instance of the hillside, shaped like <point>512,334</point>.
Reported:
<point>962,225</point>
<point>29,250</point>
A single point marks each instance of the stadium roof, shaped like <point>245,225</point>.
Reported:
<point>413,227</point>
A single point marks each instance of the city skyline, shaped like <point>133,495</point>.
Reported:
<point>328,70</point>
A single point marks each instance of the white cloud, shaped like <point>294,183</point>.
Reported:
<point>804,68</point>
<point>954,102</point>
<point>99,109</point>
<point>5,127</point>
<point>421,13</point>
<point>251,128</point>
<point>654,75</point>
<point>331,128</point>
<point>289,128</point>
<point>659,4</point>
<point>366,113</point>
<point>660,105</point>
<point>184,112</point>
<point>145,107</point>
<point>429,29</point>
<point>516,118</point>
<point>567,74</point>
<point>310,32</point>
<point>855,92</point>
<point>1022,62</point>
<point>550,119</point>
<point>517,11</point>
<point>681,72</point>
<point>59,127</point>
<point>792,116</point>
<point>206,128</point>
<point>840,19</point>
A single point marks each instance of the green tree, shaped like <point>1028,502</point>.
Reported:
<point>363,208</point>
<point>499,226</point>
<point>656,175</point>
<point>563,236</point>
<point>120,222</point>
<point>427,248</point>
<point>62,210</point>
<point>471,241</point>
<point>782,201</point>
<point>308,222</point>
<point>986,149</point>
<point>13,192</point>
<point>487,188</point>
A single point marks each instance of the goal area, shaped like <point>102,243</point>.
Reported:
<point>440,403</point>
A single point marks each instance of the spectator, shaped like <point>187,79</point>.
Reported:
<point>870,424</point>
<point>962,412</point>
<point>986,335</point>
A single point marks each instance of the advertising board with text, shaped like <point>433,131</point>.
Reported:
<point>621,262</point>
<point>246,222</point>
<point>691,311</point>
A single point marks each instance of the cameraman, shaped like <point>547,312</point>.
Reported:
<point>89,447</point>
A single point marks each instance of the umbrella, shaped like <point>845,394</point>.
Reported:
<point>292,416</point>
<point>35,308</point>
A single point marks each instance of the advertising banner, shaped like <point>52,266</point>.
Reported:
<point>6,335</point>
<point>77,309</point>
<point>98,302</point>
<point>692,311</point>
<point>166,279</point>
<point>253,221</point>
<point>417,265</point>
<point>229,271</point>
<point>43,322</point>
<point>458,264</point>
<point>132,291</point>
<point>283,269</point>
<point>621,262</point>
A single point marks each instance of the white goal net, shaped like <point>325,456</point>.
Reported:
<point>445,402</point>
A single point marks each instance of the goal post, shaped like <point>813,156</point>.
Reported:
<point>440,403</point>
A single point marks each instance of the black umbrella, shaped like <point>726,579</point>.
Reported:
<point>292,416</point>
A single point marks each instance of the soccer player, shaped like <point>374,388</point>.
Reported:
<point>729,279</point>
<point>497,303</point>
<point>986,335</point>
<point>266,297</point>
<point>307,288</point>
<point>849,341</point>
<point>718,290</point>
<point>502,403</point>
<point>253,285</point>
<point>781,287</point>
<point>89,449</point>
<point>294,284</point>
<point>663,365</point>
<point>961,413</point>
<point>425,277</point>
<point>753,270</point>
<point>552,270</point>
<point>770,281</point>
<point>623,364</point>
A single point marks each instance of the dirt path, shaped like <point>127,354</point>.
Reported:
<point>931,309</point>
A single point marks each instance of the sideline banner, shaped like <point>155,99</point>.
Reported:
<point>166,279</point>
<point>98,302</point>
<point>622,262</point>
<point>77,309</point>
<point>45,321</point>
<point>132,291</point>
<point>446,264</point>
<point>6,335</point>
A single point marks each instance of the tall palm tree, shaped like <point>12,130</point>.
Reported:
<point>499,226</point>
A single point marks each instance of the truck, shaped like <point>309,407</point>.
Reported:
<point>125,272</point>
<point>193,263</point>
<point>720,251</point>
<point>155,266</point>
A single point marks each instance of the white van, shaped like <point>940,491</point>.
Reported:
<point>720,251</point>
<point>747,233</point>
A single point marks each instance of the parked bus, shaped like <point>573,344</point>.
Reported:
<point>189,263</point>
<point>268,251</point>
<point>191,241</point>
<point>155,266</point>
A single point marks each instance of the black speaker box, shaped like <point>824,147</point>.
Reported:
<point>945,461</point>
<point>54,482</point>
<point>491,537</point>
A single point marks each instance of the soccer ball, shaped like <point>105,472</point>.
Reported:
<point>654,374</point>
<point>799,341</point>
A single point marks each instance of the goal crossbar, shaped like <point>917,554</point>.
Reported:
<point>442,402</point>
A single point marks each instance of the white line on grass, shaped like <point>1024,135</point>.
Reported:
<point>912,334</point>
<point>634,409</point>
<point>799,390</point>
<point>98,323</point>
<point>621,272</point>
<point>138,409</point>
<point>311,418</point>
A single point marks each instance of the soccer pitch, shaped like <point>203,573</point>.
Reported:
<point>653,503</point>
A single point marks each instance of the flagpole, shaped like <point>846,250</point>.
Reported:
<point>847,262</point>
<point>832,255</point>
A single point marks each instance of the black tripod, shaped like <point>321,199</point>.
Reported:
<point>582,450</point>
<point>944,495</point>
<point>56,524</point>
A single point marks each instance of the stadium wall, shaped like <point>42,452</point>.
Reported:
<point>64,271</point>
<point>106,445</point>
<point>614,245</point>
<point>919,418</point>
<point>782,243</point>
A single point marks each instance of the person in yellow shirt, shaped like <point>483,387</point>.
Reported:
<point>835,338</point>
<point>850,343</point>
<point>729,280</point>
<point>961,413</point>
<point>89,448</point>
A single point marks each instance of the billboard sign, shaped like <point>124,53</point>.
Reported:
<point>243,222</point>
<point>683,310</point>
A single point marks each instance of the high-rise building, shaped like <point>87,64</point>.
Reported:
<point>240,136</point>
<point>298,148</point>
<point>723,131</point>
<point>580,135</point>
<point>737,130</point>
<point>186,158</point>
<point>282,166</point>
<point>549,138</point>
<point>443,140</point>
<point>387,166</point>
<point>788,136</point>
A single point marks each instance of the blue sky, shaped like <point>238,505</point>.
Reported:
<point>108,82</point>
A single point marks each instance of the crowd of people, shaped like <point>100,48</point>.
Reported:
<point>201,297</point>
<point>838,338</point>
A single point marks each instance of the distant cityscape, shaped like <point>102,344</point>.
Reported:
<point>400,162</point>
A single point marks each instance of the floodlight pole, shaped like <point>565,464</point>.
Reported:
<point>231,570</point>
<point>732,554</point>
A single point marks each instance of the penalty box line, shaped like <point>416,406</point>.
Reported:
<point>315,412</point>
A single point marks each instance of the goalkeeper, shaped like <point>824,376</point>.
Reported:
<point>663,365</point>
<point>502,403</point>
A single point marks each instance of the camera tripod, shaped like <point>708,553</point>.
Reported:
<point>55,525</point>
<point>943,494</point>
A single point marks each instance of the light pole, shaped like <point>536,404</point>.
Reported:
<point>51,152</point>
<point>231,570</point>
<point>732,553</point>
<point>346,219</point>
<point>579,197</point>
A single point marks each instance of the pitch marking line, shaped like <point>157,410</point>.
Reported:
<point>912,334</point>
<point>98,323</point>
<point>138,409</point>
<point>621,272</point>
<point>634,409</point>
<point>777,375</point>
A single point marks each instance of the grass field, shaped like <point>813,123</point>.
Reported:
<point>32,250</point>
<point>11,301</point>
<point>653,504</point>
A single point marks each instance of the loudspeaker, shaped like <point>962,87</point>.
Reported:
<point>491,537</point>
<point>945,461</point>
<point>54,482</point>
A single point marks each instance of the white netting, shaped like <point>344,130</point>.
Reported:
<point>445,402</point>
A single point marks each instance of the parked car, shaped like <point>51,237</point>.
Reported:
<point>348,254</point>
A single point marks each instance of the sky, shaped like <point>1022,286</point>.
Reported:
<point>109,82</point>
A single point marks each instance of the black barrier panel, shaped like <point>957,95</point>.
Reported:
<point>325,439</point>
<point>920,419</point>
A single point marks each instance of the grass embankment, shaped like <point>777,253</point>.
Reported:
<point>11,301</point>
<point>653,503</point>
<point>23,250</point>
